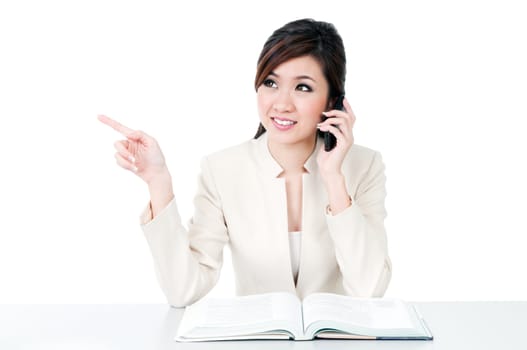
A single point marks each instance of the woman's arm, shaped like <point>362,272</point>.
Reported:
<point>359,236</point>
<point>188,263</point>
<point>356,225</point>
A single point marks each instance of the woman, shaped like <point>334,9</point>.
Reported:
<point>297,218</point>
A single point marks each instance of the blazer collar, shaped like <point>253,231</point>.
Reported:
<point>271,165</point>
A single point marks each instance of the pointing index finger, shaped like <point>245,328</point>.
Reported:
<point>115,125</point>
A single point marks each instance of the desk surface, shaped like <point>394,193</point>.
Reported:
<point>455,325</point>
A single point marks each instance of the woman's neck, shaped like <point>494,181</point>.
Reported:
<point>292,157</point>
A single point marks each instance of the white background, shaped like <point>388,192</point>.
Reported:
<point>438,87</point>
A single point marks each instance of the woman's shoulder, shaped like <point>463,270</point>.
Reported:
<point>363,152</point>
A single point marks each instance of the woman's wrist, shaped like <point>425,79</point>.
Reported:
<point>160,177</point>
<point>338,196</point>
<point>332,178</point>
<point>161,191</point>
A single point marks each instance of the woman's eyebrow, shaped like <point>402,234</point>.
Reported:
<point>299,77</point>
<point>305,77</point>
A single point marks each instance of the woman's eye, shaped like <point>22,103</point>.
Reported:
<point>303,87</point>
<point>269,83</point>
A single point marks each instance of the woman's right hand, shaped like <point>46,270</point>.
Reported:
<point>139,152</point>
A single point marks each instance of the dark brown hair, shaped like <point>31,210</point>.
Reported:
<point>305,37</point>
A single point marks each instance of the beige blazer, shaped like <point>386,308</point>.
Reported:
<point>241,202</point>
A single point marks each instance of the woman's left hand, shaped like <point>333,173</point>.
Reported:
<point>340,124</point>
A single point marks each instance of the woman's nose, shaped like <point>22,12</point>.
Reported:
<point>283,102</point>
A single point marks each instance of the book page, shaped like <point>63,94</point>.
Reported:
<point>239,311</point>
<point>217,317</point>
<point>374,313</point>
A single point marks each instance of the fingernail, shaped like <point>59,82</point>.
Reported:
<point>134,169</point>
<point>132,159</point>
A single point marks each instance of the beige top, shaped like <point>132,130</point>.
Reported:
<point>241,201</point>
<point>295,245</point>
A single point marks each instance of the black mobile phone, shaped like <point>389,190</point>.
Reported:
<point>330,141</point>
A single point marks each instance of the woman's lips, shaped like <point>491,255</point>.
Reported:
<point>283,123</point>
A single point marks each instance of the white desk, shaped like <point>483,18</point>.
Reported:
<point>461,325</point>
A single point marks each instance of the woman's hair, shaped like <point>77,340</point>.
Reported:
<point>305,37</point>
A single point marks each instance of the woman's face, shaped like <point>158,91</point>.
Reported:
<point>291,101</point>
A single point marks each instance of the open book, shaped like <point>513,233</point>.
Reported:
<point>284,316</point>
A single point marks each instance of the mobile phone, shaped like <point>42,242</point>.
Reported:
<point>330,141</point>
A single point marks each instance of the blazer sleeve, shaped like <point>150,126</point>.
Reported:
<point>359,236</point>
<point>188,262</point>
